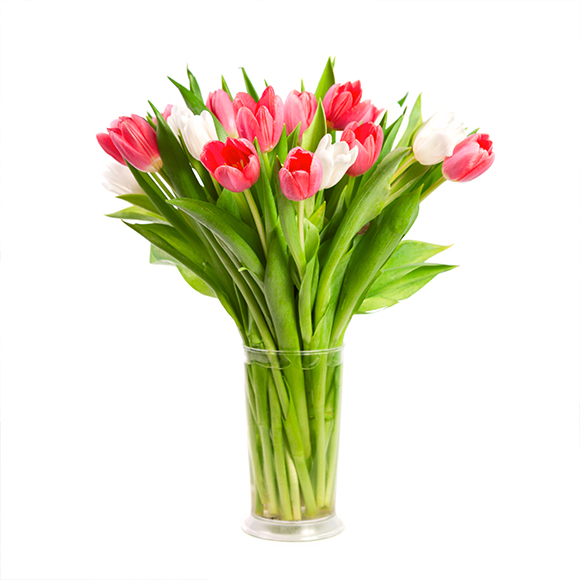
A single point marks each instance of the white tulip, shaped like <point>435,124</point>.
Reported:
<point>196,130</point>
<point>120,180</point>
<point>437,138</point>
<point>335,159</point>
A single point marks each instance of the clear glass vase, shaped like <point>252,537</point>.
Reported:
<point>293,402</point>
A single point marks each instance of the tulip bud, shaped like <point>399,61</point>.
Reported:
<point>120,180</point>
<point>220,104</point>
<point>133,139</point>
<point>335,160</point>
<point>263,120</point>
<point>301,175</point>
<point>437,137</point>
<point>234,164</point>
<point>342,105</point>
<point>470,158</point>
<point>368,138</point>
<point>196,130</point>
<point>299,108</point>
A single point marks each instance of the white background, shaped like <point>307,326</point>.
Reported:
<point>123,419</point>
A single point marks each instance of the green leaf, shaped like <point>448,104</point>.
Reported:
<point>193,102</point>
<point>302,89</point>
<point>196,282</point>
<point>242,240</point>
<point>370,254</point>
<point>249,86</point>
<point>281,150</point>
<point>158,256</point>
<point>227,201</point>
<point>312,136</point>
<point>138,213</point>
<point>404,287</point>
<point>171,242</point>
<point>311,239</point>
<point>412,252</point>
<point>267,198</point>
<point>326,80</point>
<point>193,84</point>
<point>175,162</point>
<point>226,88</point>
<point>317,218</point>
<point>141,200</point>
<point>306,299</point>
<point>402,101</point>
<point>415,121</point>
<point>293,139</point>
<point>367,204</point>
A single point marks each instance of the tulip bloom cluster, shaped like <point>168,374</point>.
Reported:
<point>292,213</point>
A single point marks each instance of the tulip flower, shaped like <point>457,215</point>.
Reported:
<point>264,119</point>
<point>132,138</point>
<point>335,160</point>
<point>301,175</point>
<point>470,158</point>
<point>343,105</point>
<point>234,164</point>
<point>120,180</point>
<point>196,130</point>
<point>220,104</point>
<point>299,108</point>
<point>368,138</point>
<point>437,137</point>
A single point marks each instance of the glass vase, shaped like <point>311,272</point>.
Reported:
<point>293,408</point>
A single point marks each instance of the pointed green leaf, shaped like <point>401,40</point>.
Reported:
<point>281,150</point>
<point>312,136</point>
<point>402,101</point>
<point>194,102</point>
<point>311,239</point>
<point>227,201</point>
<point>249,86</point>
<point>193,84</point>
<point>415,121</point>
<point>241,240</point>
<point>302,89</point>
<point>370,254</point>
<point>317,218</point>
<point>412,252</point>
<point>326,80</point>
<point>141,200</point>
<point>138,213</point>
<point>306,299</point>
<point>404,287</point>
<point>293,139</point>
<point>226,88</point>
<point>367,204</point>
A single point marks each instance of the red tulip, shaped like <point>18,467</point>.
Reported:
<point>133,139</point>
<point>220,104</point>
<point>234,164</point>
<point>299,108</point>
<point>342,105</point>
<point>368,139</point>
<point>301,176</point>
<point>470,158</point>
<point>264,119</point>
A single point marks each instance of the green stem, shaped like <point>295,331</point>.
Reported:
<point>333,446</point>
<point>403,167</point>
<point>319,396</point>
<point>267,166</point>
<point>260,490</point>
<point>257,219</point>
<point>427,192</point>
<point>301,222</point>
<point>294,488</point>
<point>162,185</point>
<point>279,458</point>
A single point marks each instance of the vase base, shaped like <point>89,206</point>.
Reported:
<point>302,531</point>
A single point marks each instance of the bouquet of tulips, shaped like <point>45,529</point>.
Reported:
<point>293,215</point>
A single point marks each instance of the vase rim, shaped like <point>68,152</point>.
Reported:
<point>294,352</point>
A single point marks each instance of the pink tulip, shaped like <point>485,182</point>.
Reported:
<point>299,108</point>
<point>133,139</point>
<point>234,164</point>
<point>264,119</point>
<point>368,139</point>
<point>342,105</point>
<point>220,104</point>
<point>470,158</point>
<point>301,176</point>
